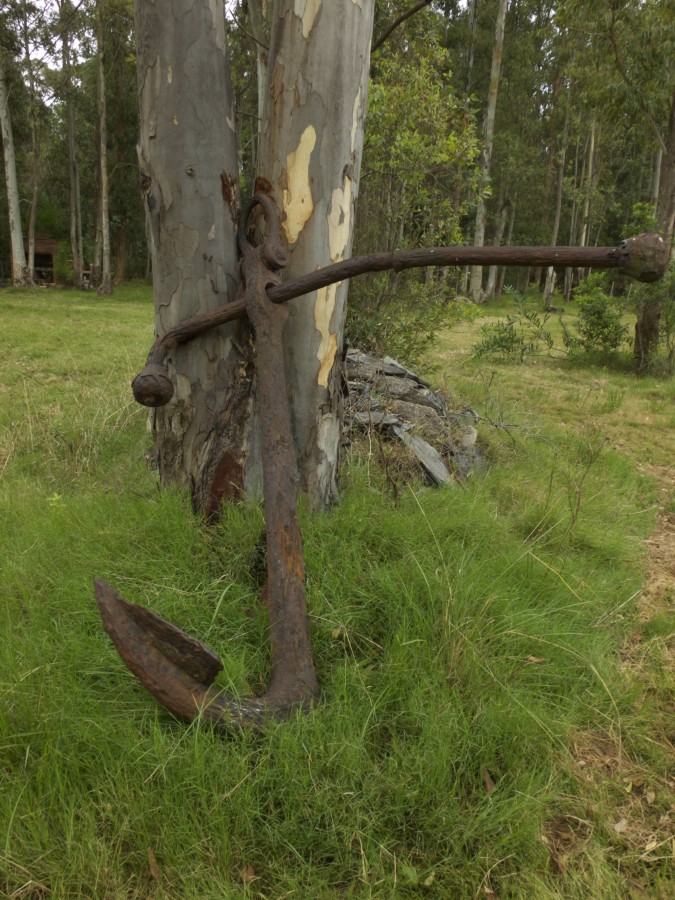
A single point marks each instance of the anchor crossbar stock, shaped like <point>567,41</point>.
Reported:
<point>643,257</point>
<point>177,668</point>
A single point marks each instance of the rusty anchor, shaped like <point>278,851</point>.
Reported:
<point>177,668</point>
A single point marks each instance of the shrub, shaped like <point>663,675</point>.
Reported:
<point>517,336</point>
<point>599,326</point>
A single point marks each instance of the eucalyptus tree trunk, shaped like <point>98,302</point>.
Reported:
<point>501,274</point>
<point>188,163</point>
<point>476,283</point>
<point>65,10</point>
<point>550,273</point>
<point>311,137</point>
<point>498,238</point>
<point>105,287</point>
<point>35,145</point>
<point>310,158</point>
<point>11,183</point>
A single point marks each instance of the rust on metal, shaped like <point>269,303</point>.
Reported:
<point>178,669</point>
<point>643,257</point>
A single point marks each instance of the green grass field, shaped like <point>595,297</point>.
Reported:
<point>496,709</point>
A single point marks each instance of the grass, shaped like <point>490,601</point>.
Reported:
<point>478,722</point>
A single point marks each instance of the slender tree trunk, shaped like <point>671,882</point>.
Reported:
<point>574,222</point>
<point>73,168</point>
<point>481,212</point>
<point>473,22</point>
<point>665,205</point>
<point>589,181</point>
<point>550,273</point>
<point>35,147</point>
<point>656,180</point>
<point>97,258</point>
<point>509,238</point>
<point>499,236</point>
<point>11,183</point>
<point>310,157</point>
<point>105,286</point>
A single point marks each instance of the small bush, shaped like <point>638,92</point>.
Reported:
<point>599,326</point>
<point>402,320</point>
<point>517,336</point>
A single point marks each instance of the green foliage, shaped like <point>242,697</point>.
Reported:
<point>419,155</point>
<point>403,321</point>
<point>63,264</point>
<point>599,326</point>
<point>642,219</point>
<point>517,336</point>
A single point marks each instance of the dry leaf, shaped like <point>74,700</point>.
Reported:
<point>650,797</point>
<point>488,781</point>
<point>621,826</point>
<point>335,633</point>
<point>430,880</point>
<point>152,863</point>
<point>248,874</point>
<point>534,660</point>
<point>652,845</point>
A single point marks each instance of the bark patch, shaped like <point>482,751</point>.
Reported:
<point>227,484</point>
<point>306,10</point>
<point>297,197</point>
<point>323,313</point>
<point>339,220</point>
<point>227,189</point>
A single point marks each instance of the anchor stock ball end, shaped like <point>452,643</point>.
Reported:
<point>152,386</point>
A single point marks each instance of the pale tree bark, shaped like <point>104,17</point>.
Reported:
<point>498,238</point>
<point>188,161</point>
<point>66,13</point>
<point>105,287</point>
<point>574,223</point>
<point>11,183</point>
<point>35,144</point>
<point>473,23</point>
<point>476,282</point>
<point>590,174</point>
<point>560,179</point>
<point>501,274</point>
<point>310,159</point>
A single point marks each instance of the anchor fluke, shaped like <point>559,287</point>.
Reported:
<point>175,667</point>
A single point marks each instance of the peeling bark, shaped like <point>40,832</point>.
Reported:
<point>310,154</point>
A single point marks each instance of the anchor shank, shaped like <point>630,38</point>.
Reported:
<point>293,676</point>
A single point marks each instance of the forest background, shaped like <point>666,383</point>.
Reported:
<point>528,123</point>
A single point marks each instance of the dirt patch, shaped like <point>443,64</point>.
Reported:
<point>633,806</point>
<point>658,593</point>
